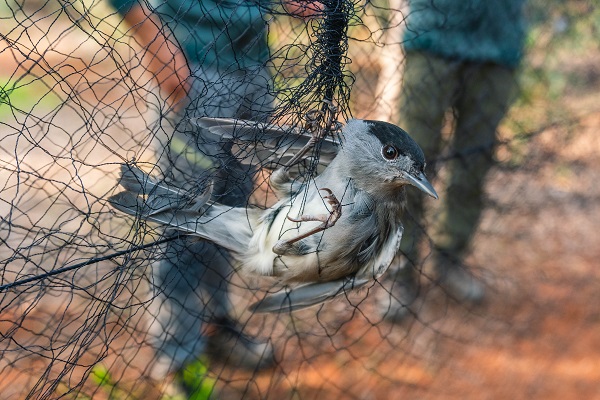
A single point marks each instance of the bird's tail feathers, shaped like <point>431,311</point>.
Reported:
<point>151,200</point>
<point>160,196</point>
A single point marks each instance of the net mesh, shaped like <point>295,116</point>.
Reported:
<point>87,308</point>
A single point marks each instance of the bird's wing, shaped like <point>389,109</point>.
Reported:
<point>159,196</point>
<point>307,295</point>
<point>152,200</point>
<point>223,225</point>
<point>380,262</point>
<point>261,144</point>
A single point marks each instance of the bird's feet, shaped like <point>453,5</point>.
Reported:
<point>327,221</point>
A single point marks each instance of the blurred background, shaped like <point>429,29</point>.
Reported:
<point>78,98</point>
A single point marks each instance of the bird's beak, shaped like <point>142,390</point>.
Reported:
<point>421,182</point>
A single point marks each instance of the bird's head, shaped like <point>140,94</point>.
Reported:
<point>383,157</point>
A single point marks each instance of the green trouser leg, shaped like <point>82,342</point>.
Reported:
<point>479,95</point>
<point>485,93</point>
<point>429,85</point>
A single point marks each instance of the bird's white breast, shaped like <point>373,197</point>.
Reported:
<point>260,257</point>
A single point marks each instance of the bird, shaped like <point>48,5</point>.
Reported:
<point>328,234</point>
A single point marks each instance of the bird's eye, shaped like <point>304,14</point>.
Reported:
<point>389,152</point>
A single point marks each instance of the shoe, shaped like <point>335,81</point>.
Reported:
<point>229,345</point>
<point>459,284</point>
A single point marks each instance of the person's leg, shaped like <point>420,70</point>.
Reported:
<point>246,95</point>
<point>192,278</point>
<point>178,310</point>
<point>485,95</point>
<point>428,91</point>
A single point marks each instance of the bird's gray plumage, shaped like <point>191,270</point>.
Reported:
<point>358,248</point>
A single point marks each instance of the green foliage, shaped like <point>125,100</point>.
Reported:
<point>196,380</point>
<point>101,376</point>
<point>25,96</point>
<point>550,81</point>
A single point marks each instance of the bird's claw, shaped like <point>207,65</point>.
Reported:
<point>327,221</point>
<point>333,125</point>
<point>336,208</point>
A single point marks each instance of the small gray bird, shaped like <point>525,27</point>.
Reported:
<point>331,234</point>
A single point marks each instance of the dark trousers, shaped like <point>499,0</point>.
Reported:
<point>190,279</point>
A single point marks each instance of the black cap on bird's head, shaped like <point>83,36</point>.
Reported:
<point>394,157</point>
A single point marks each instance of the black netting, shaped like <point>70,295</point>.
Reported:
<point>492,294</point>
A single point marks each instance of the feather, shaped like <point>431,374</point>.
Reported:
<point>259,143</point>
<point>228,230</point>
<point>160,196</point>
<point>307,295</point>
